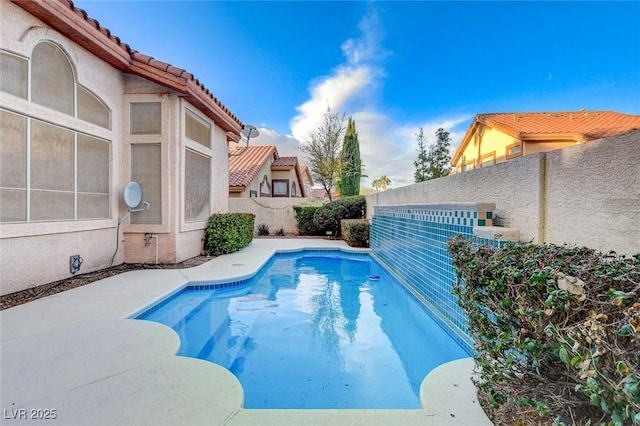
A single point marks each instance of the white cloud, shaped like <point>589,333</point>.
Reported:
<point>386,146</point>
<point>287,145</point>
<point>333,92</point>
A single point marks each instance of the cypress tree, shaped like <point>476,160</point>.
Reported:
<point>351,164</point>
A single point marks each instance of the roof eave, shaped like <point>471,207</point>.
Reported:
<point>74,24</point>
<point>465,141</point>
<point>545,137</point>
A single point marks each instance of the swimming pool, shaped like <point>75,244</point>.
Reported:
<point>313,330</point>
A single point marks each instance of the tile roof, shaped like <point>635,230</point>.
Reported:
<point>245,163</point>
<point>305,170</point>
<point>580,126</point>
<point>285,162</point>
<point>75,24</point>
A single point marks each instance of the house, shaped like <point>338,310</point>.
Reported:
<point>82,115</point>
<point>493,138</point>
<point>307,180</point>
<point>257,171</point>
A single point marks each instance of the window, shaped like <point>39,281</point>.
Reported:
<point>294,190</point>
<point>13,70</point>
<point>253,194</point>
<point>488,159</point>
<point>13,167</point>
<point>68,172</point>
<point>91,109</point>
<point>280,187</point>
<point>514,150</point>
<point>49,172</point>
<point>145,169</point>
<point>146,118</point>
<point>197,129</point>
<point>265,188</point>
<point>197,182</point>
<point>52,80</point>
<point>93,177</point>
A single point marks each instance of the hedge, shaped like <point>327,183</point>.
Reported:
<point>228,232</point>
<point>556,329</point>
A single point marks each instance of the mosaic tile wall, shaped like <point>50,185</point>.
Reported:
<point>411,241</point>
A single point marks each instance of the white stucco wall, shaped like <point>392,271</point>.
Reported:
<point>275,212</point>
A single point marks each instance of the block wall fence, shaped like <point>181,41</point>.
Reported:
<point>584,195</point>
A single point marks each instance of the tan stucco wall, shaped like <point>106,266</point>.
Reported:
<point>275,212</point>
<point>44,257</point>
<point>514,186</point>
<point>586,194</point>
<point>593,194</point>
<point>38,253</point>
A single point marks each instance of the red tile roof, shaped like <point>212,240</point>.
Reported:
<point>245,163</point>
<point>285,162</point>
<point>579,126</point>
<point>75,24</point>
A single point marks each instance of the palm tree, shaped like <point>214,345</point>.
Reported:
<point>382,182</point>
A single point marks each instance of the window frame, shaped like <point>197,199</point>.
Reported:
<point>490,155</point>
<point>508,148</point>
<point>273,188</point>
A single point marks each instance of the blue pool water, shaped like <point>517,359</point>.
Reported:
<point>314,330</point>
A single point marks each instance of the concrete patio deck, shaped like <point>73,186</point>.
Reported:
<point>76,352</point>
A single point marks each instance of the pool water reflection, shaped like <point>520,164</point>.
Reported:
<point>314,330</point>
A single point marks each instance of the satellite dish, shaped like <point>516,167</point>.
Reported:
<point>132,194</point>
<point>250,131</point>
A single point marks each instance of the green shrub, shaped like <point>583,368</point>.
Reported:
<point>305,219</point>
<point>328,216</point>
<point>556,328</point>
<point>355,232</point>
<point>228,232</point>
<point>263,229</point>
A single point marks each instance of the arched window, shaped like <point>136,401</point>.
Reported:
<point>52,80</point>
<point>294,190</point>
<point>265,188</point>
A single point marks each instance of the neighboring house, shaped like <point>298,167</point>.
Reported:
<point>493,138</point>
<point>258,171</point>
<point>81,115</point>
<point>307,180</point>
<point>322,193</point>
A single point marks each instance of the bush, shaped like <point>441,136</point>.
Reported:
<point>305,218</point>
<point>228,232</point>
<point>355,232</point>
<point>280,232</point>
<point>263,229</point>
<point>328,216</point>
<point>556,328</point>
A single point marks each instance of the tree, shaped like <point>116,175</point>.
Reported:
<point>420,174</point>
<point>323,150</point>
<point>433,162</point>
<point>383,182</point>
<point>351,164</point>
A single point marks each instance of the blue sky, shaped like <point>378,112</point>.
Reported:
<point>393,66</point>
